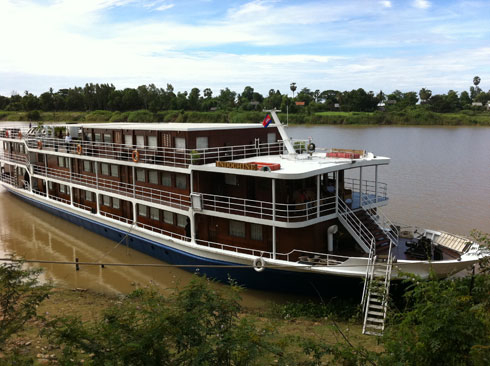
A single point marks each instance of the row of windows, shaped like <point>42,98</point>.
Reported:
<point>62,188</point>
<point>152,176</point>
<point>109,201</point>
<point>20,148</point>
<point>148,141</point>
<point>159,215</point>
<point>237,229</point>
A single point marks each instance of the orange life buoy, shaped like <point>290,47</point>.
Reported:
<point>40,145</point>
<point>79,149</point>
<point>19,135</point>
<point>135,156</point>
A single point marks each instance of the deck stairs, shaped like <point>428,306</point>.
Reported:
<point>365,228</point>
<point>376,294</point>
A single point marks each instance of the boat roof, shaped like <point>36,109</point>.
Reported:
<point>165,126</point>
<point>298,166</point>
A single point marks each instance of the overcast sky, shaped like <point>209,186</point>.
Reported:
<point>267,44</point>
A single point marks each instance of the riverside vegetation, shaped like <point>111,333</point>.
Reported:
<point>148,103</point>
<point>439,322</point>
<point>411,116</point>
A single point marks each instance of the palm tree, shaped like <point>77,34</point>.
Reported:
<point>293,88</point>
<point>476,80</point>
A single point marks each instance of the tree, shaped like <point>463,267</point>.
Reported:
<point>464,99</point>
<point>226,99</point>
<point>293,87</point>
<point>194,99</point>
<point>20,295</point>
<point>424,95</point>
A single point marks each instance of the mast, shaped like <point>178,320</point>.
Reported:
<point>282,131</point>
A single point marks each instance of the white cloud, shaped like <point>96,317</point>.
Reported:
<point>422,4</point>
<point>386,3</point>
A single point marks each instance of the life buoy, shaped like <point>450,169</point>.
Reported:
<point>311,146</point>
<point>6,134</point>
<point>19,135</point>
<point>40,145</point>
<point>79,149</point>
<point>259,264</point>
<point>135,155</point>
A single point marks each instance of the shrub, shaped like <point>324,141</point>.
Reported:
<point>140,116</point>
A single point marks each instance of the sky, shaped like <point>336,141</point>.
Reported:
<point>267,44</point>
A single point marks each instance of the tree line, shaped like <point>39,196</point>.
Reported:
<point>150,97</point>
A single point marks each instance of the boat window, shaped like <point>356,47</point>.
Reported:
<point>98,137</point>
<point>88,196</point>
<point>62,188</point>
<point>152,142</point>
<point>140,175</point>
<point>153,177</point>
<point>154,213</point>
<point>87,166</point>
<point>237,229</point>
<point>256,231</point>
<point>167,140</point>
<point>104,168</point>
<point>142,210</point>
<point>140,141</point>
<point>50,185</point>
<point>167,179</point>
<point>115,203</point>
<point>271,137</point>
<point>181,220</point>
<point>168,217</point>
<point>108,138</point>
<point>89,136</point>
<point>181,181</point>
<point>180,143</point>
<point>106,200</point>
<point>202,142</point>
<point>114,170</point>
<point>230,179</point>
<point>128,140</point>
<point>61,161</point>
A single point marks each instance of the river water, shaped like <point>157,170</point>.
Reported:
<point>438,178</point>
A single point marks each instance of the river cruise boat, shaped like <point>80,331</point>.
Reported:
<point>236,201</point>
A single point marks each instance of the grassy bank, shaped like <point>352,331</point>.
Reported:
<point>415,116</point>
<point>291,320</point>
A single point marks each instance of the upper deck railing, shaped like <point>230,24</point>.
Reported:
<point>295,212</point>
<point>155,155</point>
<point>149,194</point>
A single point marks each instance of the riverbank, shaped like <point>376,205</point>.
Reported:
<point>89,307</point>
<point>408,117</point>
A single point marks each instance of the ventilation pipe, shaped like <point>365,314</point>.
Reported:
<point>331,230</point>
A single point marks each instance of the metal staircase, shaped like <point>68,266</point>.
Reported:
<point>368,233</point>
<point>376,294</point>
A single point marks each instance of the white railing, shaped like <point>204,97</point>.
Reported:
<point>368,187</point>
<point>83,207</point>
<point>265,210</point>
<point>388,227</point>
<point>355,226</point>
<point>116,217</point>
<point>125,189</point>
<point>13,157</point>
<point>155,155</point>
<point>9,179</point>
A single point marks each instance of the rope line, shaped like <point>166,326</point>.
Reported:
<point>171,265</point>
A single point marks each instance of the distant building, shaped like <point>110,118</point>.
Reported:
<point>381,106</point>
<point>336,105</point>
<point>477,104</point>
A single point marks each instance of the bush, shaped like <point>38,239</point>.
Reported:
<point>98,116</point>
<point>119,117</point>
<point>34,116</point>
<point>196,326</point>
<point>140,116</point>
